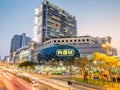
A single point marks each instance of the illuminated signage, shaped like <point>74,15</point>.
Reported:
<point>65,52</point>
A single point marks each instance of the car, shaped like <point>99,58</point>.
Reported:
<point>35,83</point>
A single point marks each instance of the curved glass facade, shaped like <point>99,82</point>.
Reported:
<point>59,53</point>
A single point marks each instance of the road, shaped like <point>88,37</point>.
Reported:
<point>11,82</point>
<point>45,83</point>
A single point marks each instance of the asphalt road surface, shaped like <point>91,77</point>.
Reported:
<point>10,82</point>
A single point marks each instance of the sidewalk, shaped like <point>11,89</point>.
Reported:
<point>114,86</point>
<point>57,84</point>
<point>60,84</point>
<point>65,85</point>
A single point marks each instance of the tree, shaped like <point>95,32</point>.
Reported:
<point>81,62</point>
<point>53,62</point>
<point>107,62</point>
<point>27,64</point>
<point>68,62</point>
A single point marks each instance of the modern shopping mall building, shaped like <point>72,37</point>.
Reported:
<point>55,31</point>
<point>86,45</point>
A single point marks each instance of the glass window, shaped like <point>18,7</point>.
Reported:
<point>83,40</point>
<point>66,40</point>
<point>75,40</point>
<point>87,39</point>
<point>54,40</point>
<point>79,40</point>
<point>70,40</point>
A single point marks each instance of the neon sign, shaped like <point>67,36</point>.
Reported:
<point>65,52</point>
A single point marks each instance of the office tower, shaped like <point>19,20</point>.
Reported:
<point>18,41</point>
<point>53,22</point>
<point>15,43</point>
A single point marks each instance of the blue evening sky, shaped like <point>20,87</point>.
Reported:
<point>98,18</point>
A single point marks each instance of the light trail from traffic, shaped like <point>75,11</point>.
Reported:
<point>11,82</point>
